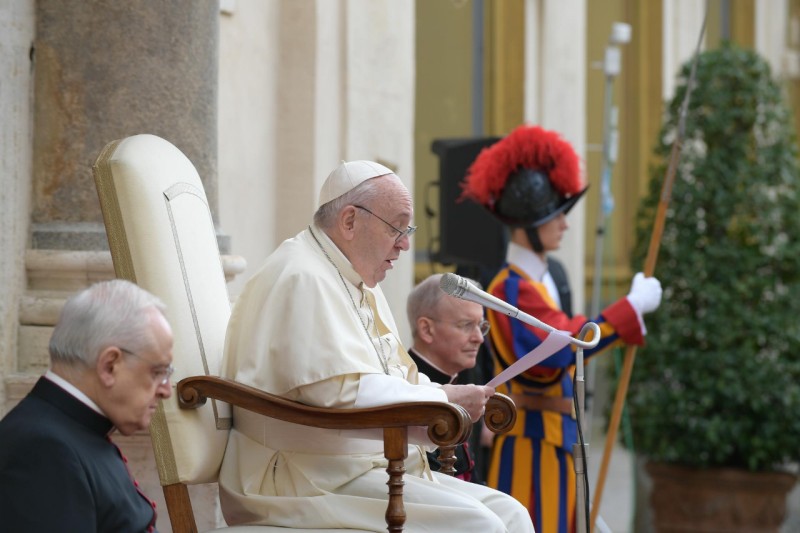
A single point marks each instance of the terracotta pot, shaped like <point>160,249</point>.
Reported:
<point>719,500</point>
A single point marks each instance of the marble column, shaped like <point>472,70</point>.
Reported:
<point>17,22</point>
<point>104,70</point>
<point>108,69</point>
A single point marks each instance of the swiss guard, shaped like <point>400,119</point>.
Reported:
<point>530,180</point>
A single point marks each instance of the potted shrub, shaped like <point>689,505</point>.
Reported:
<point>716,391</point>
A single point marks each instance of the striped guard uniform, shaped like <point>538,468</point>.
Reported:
<point>533,462</point>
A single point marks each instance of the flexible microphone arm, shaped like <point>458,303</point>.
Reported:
<point>455,285</point>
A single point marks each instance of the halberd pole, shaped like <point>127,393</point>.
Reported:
<point>649,269</point>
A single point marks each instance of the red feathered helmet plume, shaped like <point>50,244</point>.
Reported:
<point>526,178</point>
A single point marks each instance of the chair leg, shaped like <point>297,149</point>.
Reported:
<point>181,515</point>
<point>395,442</point>
<point>447,460</point>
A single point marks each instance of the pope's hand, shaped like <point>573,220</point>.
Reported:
<point>470,397</point>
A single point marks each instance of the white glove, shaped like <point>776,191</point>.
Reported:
<point>645,294</point>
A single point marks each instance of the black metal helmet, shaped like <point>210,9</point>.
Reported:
<point>529,199</point>
<point>526,178</point>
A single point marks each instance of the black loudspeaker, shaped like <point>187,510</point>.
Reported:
<point>469,236</point>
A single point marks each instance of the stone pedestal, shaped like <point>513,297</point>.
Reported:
<point>108,70</point>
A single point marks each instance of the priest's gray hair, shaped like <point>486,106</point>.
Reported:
<point>424,299</point>
<point>365,193</point>
<point>109,313</point>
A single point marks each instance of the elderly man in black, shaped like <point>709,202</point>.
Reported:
<point>111,360</point>
<point>448,334</point>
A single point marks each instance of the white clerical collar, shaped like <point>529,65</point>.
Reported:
<point>73,390</point>
<point>335,254</point>
<point>452,376</point>
<point>527,260</point>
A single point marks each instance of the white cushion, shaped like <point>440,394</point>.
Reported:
<point>163,238</point>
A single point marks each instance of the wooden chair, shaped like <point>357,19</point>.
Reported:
<point>162,237</point>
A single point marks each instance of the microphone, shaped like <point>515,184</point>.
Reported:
<point>455,285</point>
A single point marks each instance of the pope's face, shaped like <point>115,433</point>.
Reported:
<point>379,237</point>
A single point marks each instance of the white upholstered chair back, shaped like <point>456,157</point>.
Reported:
<point>162,237</point>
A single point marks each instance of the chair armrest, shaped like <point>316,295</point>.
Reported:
<point>448,424</point>
<point>501,414</point>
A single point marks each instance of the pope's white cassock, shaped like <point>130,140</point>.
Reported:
<point>308,329</point>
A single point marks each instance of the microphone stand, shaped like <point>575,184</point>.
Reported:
<point>581,448</point>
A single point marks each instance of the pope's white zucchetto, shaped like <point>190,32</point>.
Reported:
<point>348,176</point>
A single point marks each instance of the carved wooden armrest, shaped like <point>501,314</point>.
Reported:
<point>501,414</point>
<point>448,424</point>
